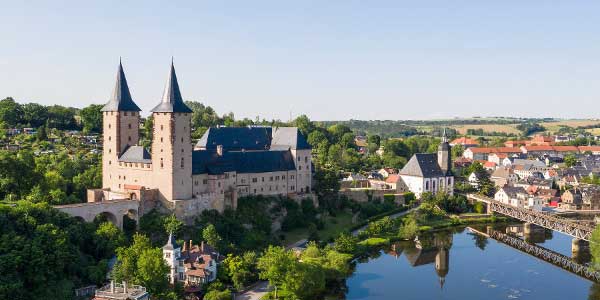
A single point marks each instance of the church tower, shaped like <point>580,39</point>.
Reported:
<point>443,155</point>
<point>172,144</point>
<point>121,119</point>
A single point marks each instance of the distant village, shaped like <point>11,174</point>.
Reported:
<point>539,173</point>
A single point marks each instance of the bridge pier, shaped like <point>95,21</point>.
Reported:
<point>534,233</point>
<point>580,250</point>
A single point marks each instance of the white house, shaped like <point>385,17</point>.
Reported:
<point>193,265</point>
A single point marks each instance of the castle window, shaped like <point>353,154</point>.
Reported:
<point>263,179</point>
<point>129,138</point>
<point>108,126</point>
<point>219,184</point>
<point>110,162</point>
<point>161,162</point>
<point>292,187</point>
<point>271,178</point>
<point>426,185</point>
<point>306,159</point>
<point>299,168</point>
<point>254,179</point>
<point>125,113</point>
<point>161,127</point>
<point>282,176</point>
<point>276,178</point>
<point>109,138</point>
<point>301,190</point>
<point>182,139</point>
<point>129,126</point>
<point>182,162</point>
<point>161,139</point>
<point>181,150</point>
<point>299,158</point>
<point>205,181</point>
<point>109,150</point>
<point>119,176</point>
<point>196,182</point>
<point>255,191</point>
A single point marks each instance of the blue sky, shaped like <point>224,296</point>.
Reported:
<point>327,59</point>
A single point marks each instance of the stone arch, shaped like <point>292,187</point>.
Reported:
<point>79,219</point>
<point>109,217</point>
<point>129,220</point>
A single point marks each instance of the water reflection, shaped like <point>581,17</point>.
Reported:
<point>490,269</point>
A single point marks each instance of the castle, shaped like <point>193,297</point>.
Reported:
<point>227,162</point>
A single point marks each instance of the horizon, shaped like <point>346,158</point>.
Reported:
<point>330,61</point>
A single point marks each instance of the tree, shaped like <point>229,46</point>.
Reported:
<point>34,115</point>
<point>595,247</point>
<point>211,236</point>
<point>107,239</point>
<point>409,229</point>
<point>304,125</point>
<point>91,118</point>
<point>10,112</point>
<point>241,269</point>
<point>41,134</point>
<point>274,265</point>
<point>172,224</point>
<point>570,160</point>
<point>217,295</point>
<point>345,243</point>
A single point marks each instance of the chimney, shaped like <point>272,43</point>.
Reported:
<point>202,247</point>
<point>184,246</point>
<point>124,287</point>
<point>220,150</point>
<point>191,245</point>
<point>112,286</point>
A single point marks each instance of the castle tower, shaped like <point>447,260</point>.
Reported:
<point>171,144</point>
<point>121,118</point>
<point>443,155</point>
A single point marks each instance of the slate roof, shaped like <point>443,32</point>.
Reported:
<point>236,138</point>
<point>423,165</point>
<point>513,191</point>
<point>171,100</point>
<point>136,154</point>
<point>289,137</point>
<point>207,161</point>
<point>121,97</point>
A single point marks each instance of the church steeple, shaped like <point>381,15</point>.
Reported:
<point>443,155</point>
<point>121,97</point>
<point>171,100</point>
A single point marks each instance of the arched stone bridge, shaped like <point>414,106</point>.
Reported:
<point>114,210</point>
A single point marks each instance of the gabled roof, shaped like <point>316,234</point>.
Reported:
<point>289,137</point>
<point>513,191</point>
<point>236,138</point>
<point>171,100</point>
<point>423,165</point>
<point>121,97</point>
<point>136,154</point>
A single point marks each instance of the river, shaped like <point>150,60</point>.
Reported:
<point>459,264</point>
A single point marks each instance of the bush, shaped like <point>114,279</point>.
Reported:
<point>374,242</point>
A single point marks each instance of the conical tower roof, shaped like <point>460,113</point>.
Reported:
<point>121,97</point>
<point>171,101</point>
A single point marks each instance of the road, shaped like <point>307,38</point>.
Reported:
<point>256,292</point>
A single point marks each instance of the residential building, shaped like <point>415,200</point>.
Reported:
<point>123,291</point>
<point>194,265</point>
<point>515,196</point>
<point>464,141</point>
<point>504,176</point>
<point>571,199</point>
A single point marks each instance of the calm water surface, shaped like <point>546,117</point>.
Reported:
<point>461,265</point>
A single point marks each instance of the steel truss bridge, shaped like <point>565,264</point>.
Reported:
<point>542,253</point>
<point>547,220</point>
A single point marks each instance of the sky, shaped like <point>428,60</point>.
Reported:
<point>330,60</point>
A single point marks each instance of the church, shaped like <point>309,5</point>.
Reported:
<point>226,163</point>
<point>430,172</point>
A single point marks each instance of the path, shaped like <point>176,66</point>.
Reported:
<point>255,292</point>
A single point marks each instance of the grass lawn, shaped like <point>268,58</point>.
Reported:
<point>333,227</point>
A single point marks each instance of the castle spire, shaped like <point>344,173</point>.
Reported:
<point>171,100</point>
<point>121,98</point>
